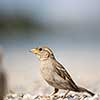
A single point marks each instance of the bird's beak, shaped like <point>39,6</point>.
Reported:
<point>35,51</point>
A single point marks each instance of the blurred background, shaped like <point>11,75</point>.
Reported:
<point>70,28</point>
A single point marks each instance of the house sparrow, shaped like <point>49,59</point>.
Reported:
<point>54,73</point>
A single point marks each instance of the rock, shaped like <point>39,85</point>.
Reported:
<point>29,97</point>
<point>71,96</point>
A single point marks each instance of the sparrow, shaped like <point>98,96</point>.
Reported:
<point>54,73</point>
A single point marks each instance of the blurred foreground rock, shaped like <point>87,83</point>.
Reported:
<point>3,80</point>
<point>71,96</point>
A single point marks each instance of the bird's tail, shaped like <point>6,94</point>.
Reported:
<point>85,90</point>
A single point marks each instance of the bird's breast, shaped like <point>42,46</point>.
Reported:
<point>47,70</point>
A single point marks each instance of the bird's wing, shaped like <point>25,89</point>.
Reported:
<point>61,71</point>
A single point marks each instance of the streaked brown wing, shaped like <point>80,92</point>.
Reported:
<point>61,71</point>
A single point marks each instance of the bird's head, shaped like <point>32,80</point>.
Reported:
<point>43,53</point>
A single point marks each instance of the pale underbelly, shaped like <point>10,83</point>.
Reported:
<point>53,79</point>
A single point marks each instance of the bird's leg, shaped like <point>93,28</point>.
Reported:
<point>55,91</point>
<point>66,94</point>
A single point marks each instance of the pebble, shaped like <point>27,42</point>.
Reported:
<point>73,96</point>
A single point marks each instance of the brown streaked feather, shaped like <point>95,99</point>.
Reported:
<point>61,71</point>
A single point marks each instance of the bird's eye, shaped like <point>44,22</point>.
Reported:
<point>40,49</point>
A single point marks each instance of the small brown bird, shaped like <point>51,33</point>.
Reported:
<point>54,73</point>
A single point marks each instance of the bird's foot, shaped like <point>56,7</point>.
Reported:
<point>65,94</point>
<point>54,97</point>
